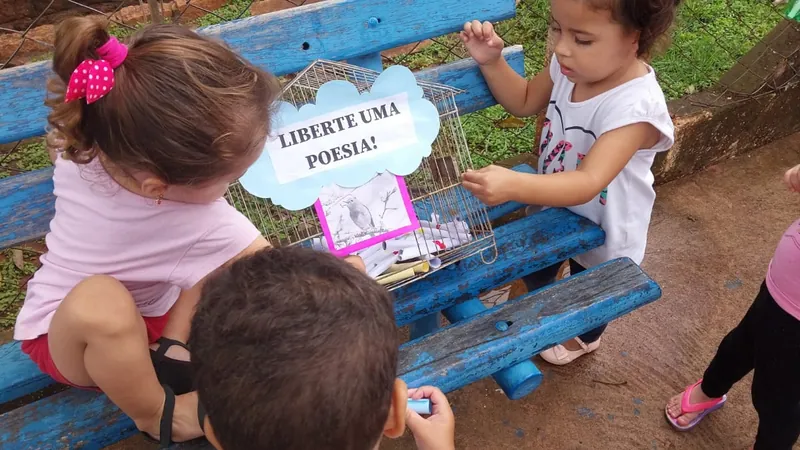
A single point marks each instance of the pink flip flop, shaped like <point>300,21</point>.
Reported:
<point>686,407</point>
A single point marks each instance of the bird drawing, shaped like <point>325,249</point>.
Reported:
<point>360,214</point>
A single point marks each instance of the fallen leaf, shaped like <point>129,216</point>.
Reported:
<point>511,122</point>
<point>18,258</point>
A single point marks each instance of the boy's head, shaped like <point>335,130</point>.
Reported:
<point>294,349</point>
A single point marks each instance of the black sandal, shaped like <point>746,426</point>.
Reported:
<point>175,373</point>
<point>165,426</point>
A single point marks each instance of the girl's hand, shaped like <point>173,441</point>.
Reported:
<point>792,178</point>
<point>492,185</point>
<point>437,432</point>
<point>483,44</point>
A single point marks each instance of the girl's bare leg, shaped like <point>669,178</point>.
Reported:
<point>98,338</point>
<point>180,321</point>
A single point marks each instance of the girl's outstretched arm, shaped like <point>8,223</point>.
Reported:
<point>609,155</point>
<point>518,96</point>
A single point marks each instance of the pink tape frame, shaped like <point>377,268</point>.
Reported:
<point>345,251</point>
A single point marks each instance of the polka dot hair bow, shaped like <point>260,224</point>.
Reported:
<point>93,79</point>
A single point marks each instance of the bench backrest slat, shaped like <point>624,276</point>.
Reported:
<point>283,42</point>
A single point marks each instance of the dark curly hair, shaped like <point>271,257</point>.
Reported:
<point>185,107</point>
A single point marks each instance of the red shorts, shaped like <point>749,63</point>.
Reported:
<point>39,351</point>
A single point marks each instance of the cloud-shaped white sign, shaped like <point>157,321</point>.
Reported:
<point>345,138</point>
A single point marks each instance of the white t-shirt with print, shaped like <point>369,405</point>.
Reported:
<point>571,128</point>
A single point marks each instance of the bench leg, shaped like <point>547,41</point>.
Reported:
<point>424,326</point>
<point>516,381</point>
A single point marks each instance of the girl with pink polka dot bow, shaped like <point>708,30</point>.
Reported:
<point>145,137</point>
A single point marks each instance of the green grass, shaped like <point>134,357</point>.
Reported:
<point>234,9</point>
<point>710,36</point>
<point>28,156</point>
<point>12,289</point>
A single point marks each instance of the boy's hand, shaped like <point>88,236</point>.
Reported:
<point>792,178</point>
<point>492,185</point>
<point>483,44</point>
<point>437,432</point>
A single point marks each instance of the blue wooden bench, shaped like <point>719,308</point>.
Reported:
<point>480,342</point>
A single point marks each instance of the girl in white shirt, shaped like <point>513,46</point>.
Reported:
<point>606,118</point>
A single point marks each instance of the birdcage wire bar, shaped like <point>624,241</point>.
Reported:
<point>435,187</point>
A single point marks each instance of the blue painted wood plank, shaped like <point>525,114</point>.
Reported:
<point>466,75</point>
<point>282,42</point>
<point>28,118</point>
<point>69,419</point>
<point>373,61</point>
<point>289,40</point>
<point>27,205</point>
<point>19,376</point>
<point>476,348</point>
<point>523,246</point>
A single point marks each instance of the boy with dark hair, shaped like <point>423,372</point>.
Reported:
<point>294,349</point>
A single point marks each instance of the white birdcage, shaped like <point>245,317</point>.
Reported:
<point>435,187</point>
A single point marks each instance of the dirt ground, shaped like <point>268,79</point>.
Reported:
<point>711,239</point>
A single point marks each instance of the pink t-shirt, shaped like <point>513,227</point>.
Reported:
<point>783,276</point>
<point>155,250</point>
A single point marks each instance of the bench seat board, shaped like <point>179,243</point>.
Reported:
<point>523,246</point>
<point>474,348</point>
<point>19,376</point>
<point>69,419</point>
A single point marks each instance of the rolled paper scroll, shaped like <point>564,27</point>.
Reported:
<point>318,244</point>
<point>425,249</point>
<point>456,226</point>
<point>369,251</point>
<point>435,263</point>
<point>418,267</point>
<point>397,276</point>
<point>381,265</point>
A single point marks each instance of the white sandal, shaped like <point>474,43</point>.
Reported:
<point>559,355</point>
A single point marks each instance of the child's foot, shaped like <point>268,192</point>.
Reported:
<point>183,414</point>
<point>568,351</point>
<point>185,422</point>
<point>688,408</point>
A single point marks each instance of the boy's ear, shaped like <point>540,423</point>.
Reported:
<point>396,422</point>
<point>209,431</point>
